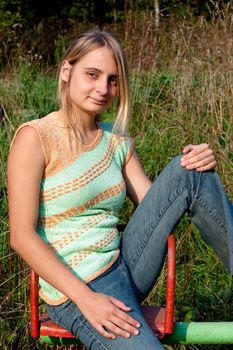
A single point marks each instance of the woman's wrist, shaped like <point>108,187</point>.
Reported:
<point>80,293</point>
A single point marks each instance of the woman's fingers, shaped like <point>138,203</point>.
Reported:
<point>109,316</point>
<point>116,330</point>
<point>119,304</point>
<point>118,324</point>
<point>125,323</point>
<point>104,333</point>
<point>196,148</point>
<point>209,166</point>
<point>122,315</point>
<point>199,162</point>
<point>200,157</point>
<point>194,153</point>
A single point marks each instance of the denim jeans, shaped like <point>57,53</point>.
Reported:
<point>143,249</point>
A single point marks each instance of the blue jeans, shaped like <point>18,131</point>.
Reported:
<point>143,249</point>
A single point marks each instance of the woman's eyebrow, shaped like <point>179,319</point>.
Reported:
<point>100,71</point>
<point>93,68</point>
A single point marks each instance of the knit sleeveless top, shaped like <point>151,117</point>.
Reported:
<point>81,194</point>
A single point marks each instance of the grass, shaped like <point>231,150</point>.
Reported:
<point>182,91</point>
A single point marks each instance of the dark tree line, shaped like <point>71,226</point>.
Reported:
<point>31,12</point>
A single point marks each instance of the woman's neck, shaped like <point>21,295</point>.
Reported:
<point>87,128</point>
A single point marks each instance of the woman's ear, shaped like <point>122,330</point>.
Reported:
<point>65,71</point>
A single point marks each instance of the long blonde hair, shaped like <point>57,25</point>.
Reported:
<point>82,45</point>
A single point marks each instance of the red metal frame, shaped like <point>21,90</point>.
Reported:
<point>171,282</point>
<point>160,320</point>
<point>34,310</point>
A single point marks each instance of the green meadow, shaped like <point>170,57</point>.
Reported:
<point>182,91</point>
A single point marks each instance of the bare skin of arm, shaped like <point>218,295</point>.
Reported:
<point>137,182</point>
<point>25,170</point>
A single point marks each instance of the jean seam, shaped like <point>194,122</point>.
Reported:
<point>154,225</point>
<point>82,324</point>
<point>91,334</point>
<point>196,190</point>
<point>57,320</point>
<point>75,314</point>
<point>217,219</point>
<point>54,316</point>
<point>89,331</point>
<point>203,203</point>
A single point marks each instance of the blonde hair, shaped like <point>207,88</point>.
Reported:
<point>82,45</point>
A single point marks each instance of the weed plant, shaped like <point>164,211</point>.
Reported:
<point>182,93</point>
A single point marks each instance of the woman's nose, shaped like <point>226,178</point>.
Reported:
<point>102,86</point>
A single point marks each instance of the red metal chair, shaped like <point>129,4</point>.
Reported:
<point>161,320</point>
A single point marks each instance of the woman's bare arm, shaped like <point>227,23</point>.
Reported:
<point>137,182</point>
<point>25,170</point>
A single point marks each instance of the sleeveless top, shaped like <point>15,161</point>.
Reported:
<point>81,194</point>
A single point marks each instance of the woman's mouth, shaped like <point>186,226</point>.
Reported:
<point>97,101</point>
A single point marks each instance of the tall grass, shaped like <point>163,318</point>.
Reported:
<point>182,91</point>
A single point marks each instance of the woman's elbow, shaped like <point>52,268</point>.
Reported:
<point>14,240</point>
<point>17,239</point>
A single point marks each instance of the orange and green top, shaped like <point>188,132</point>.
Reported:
<point>81,193</point>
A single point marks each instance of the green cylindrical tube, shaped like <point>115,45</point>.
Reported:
<point>201,333</point>
<point>184,333</point>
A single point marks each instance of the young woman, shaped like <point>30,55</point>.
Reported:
<point>68,175</point>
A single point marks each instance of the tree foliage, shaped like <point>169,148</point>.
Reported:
<point>30,12</point>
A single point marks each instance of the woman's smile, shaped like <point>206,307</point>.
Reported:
<point>100,102</point>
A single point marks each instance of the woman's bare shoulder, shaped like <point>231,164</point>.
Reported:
<point>26,147</point>
<point>26,137</point>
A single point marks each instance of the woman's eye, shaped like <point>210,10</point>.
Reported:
<point>92,74</point>
<point>113,80</point>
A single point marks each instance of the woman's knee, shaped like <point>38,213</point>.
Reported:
<point>174,170</point>
<point>175,164</point>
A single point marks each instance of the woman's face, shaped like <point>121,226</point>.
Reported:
<point>94,81</point>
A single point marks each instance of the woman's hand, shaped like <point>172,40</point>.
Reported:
<point>108,315</point>
<point>200,157</point>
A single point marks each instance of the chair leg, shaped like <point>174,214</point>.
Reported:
<point>171,281</point>
<point>34,311</point>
